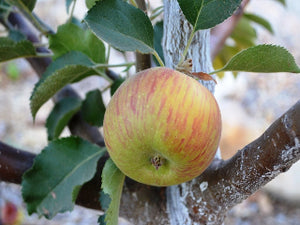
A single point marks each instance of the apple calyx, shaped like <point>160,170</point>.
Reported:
<point>157,161</point>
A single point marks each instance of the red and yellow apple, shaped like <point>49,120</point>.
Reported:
<point>162,127</point>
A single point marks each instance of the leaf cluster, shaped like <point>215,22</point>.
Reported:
<point>80,50</point>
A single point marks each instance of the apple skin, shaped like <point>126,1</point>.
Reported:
<point>162,127</point>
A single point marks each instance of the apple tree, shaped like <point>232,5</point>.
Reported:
<point>77,169</point>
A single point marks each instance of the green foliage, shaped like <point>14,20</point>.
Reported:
<point>204,14</point>
<point>61,72</point>
<point>243,36</point>
<point>29,4</point>
<point>61,115</point>
<point>282,2</point>
<point>121,25</point>
<point>259,20</point>
<point>158,35</point>
<point>116,85</point>
<point>52,184</point>
<point>112,185</point>
<point>12,71</point>
<point>262,58</point>
<point>93,108</point>
<point>90,3</point>
<point>70,37</point>
<point>10,49</point>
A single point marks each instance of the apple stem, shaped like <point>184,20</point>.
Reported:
<point>157,161</point>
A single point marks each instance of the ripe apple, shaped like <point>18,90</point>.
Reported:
<point>162,127</point>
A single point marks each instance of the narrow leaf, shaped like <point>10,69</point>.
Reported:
<point>116,85</point>
<point>112,185</point>
<point>61,167</point>
<point>10,49</point>
<point>122,25</point>
<point>93,108</point>
<point>204,14</point>
<point>61,115</point>
<point>61,72</point>
<point>158,35</point>
<point>262,58</point>
<point>70,37</point>
<point>259,20</point>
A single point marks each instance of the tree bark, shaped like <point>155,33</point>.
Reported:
<point>207,198</point>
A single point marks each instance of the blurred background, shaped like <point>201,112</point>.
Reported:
<point>249,103</point>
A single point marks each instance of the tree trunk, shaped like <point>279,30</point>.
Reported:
<point>184,200</point>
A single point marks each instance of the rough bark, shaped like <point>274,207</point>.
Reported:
<point>206,199</point>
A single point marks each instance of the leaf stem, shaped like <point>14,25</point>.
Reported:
<point>103,75</point>
<point>72,11</point>
<point>42,55</point>
<point>187,47</point>
<point>108,54</point>
<point>99,66</point>
<point>161,63</point>
<point>216,71</point>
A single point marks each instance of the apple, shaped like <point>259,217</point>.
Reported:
<point>9,213</point>
<point>162,127</point>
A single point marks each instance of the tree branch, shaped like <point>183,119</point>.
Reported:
<point>221,186</point>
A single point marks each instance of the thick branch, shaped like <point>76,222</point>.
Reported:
<point>226,183</point>
<point>211,195</point>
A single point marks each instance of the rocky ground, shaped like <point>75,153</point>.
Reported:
<point>248,104</point>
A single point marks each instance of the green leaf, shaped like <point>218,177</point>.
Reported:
<point>93,108</point>
<point>59,73</point>
<point>112,185</point>
<point>16,35</point>
<point>70,37</point>
<point>61,115</point>
<point>121,25</point>
<point>116,85</point>
<point>90,3</point>
<point>262,58</point>
<point>244,34</point>
<point>51,185</point>
<point>10,49</point>
<point>29,4</point>
<point>259,20</point>
<point>158,35</point>
<point>283,2</point>
<point>204,14</point>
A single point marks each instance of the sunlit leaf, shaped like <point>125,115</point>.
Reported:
<point>112,185</point>
<point>262,58</point>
